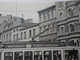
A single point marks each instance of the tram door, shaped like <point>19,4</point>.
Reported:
<point>56,55</point>
<point>47,55</point>
<point>18,56</point>
<point>71,54</point>
<point>28,55</point>
<point>8,56</point>
<point>37,55</point>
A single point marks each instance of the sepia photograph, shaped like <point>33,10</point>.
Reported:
<point>39,30</point>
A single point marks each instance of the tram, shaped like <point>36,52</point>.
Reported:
<point>48,53</point>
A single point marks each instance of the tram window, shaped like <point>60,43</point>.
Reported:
<point>71,55</point>
<point>28,55</point>
<point>18,56</point>
<point>47,55</point>
<point>8,56</point>
<point>37,55</point>
<point>57,55</point>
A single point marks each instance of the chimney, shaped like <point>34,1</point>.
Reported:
<point>22,16</point>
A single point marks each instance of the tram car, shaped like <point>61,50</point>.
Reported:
<point>48,53</point>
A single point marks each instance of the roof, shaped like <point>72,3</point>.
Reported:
<point>29,25</point>
<point>50,7</point>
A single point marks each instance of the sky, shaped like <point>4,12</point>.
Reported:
<point>28,8</point>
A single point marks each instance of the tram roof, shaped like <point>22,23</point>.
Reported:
<point>31,42</point>
<point>40,48</point>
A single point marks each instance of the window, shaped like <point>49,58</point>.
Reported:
<point>21,36</point>
<point>16,36</point>
<point>16,29</point>
<point>41,17</point>
<point>14,19</point>
<point>4,37</point>
<point>45,16</point>
<point>53,14</point>
<point>44,27</point>
<point>25,35</point>
<point>49,15</point>
<point>66,28</point>
<point>72,27</point>
<point>70,12</point>
<point>49,27</point>
<point>29,33</point>
<point>34,32</point>
<point>72,43</point>
<point>40,29</point>
<point>8,56</point>
<point>13,30</point>
<point>53,28</point>
<point>9,36</point>
<point>57,55</point>
<point>60,15</point>
<point>62,30</point>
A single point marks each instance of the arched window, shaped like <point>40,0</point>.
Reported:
<point>63,43</point>
<point>72,27</point>
<point>70,11</point>
<point>60,15</point>
<point>62,30</point>
<point>72,43</point>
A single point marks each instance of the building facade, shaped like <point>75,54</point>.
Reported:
<point>47,18</point>
<point>58,23</point>
<point>65,23</point>
<point>17,29</point>
<point>68,28</point>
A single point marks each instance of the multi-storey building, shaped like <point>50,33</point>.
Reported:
<point>59,23</point>
<point>63,18</point>
<point>69,26</point>
<point>47,18</point>
<point>17,29</point>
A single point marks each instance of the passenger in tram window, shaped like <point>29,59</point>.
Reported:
<point>46,58</point>
<point>39,58</point>
<point>28,59</point>
<point>17,59</point>
<point>55,58</point>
